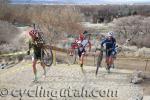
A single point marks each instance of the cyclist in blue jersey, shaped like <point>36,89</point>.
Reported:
<point>110,43</point>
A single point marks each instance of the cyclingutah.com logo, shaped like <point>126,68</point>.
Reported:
<point>54,94</point>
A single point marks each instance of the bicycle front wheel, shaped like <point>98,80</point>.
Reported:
<point>99,61</point>
<point>47,56</point>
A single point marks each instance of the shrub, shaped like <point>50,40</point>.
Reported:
<point>134,28</point>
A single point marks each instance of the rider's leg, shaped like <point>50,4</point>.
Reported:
<point>80,57</point>
<point>81,60</point>
<point>107,60</point>
<point>108,65</point>
<point>34,61</point>
<point>79,54</point>
<point>44,68</point>
<point>112,65</point>
<point>112,57</point>
<point>110,60</point>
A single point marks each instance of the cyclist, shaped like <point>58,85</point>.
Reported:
<point>110,43</point>
<point>84,42</point>
<point>75,43</point>
<point>36,44</point>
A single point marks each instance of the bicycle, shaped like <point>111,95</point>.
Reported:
<point>47,55</point>
<point>99,59</point>
<point>46,50</point>
<point>72,53</point>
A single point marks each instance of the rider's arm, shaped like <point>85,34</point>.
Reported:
<point>102,43</point>
<point>29,47</point>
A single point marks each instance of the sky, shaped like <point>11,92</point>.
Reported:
<point>88,1</point>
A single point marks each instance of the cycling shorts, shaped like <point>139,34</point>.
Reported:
<point>81,51</point>
<point>110,53</point>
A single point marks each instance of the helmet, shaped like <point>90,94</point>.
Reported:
<point>110,34</point>
<point>33,34</point>
<point>85,32</point>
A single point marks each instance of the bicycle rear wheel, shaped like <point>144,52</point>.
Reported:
<point>47,56</point>
<point>72,56</point>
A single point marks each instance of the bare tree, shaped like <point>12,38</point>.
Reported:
<point>56,21</point>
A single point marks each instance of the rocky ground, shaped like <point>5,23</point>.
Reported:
<point>65,82</point>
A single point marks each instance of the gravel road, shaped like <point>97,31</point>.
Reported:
<point>65,82</point>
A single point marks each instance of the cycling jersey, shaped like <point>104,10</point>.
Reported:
<point>37,51</point>
<point>83,44</point>
<point>110,46</point>
<point>110,43</point>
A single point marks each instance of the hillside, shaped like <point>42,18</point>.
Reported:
<point>89,2</point>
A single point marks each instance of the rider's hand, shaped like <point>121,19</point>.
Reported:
<point>28,52</point>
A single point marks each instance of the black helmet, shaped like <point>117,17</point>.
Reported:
<point>85,32</point>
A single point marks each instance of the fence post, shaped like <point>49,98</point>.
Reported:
<point>54,57</point>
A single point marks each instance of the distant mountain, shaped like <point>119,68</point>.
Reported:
<point>59,1</point>
<point>37,2</point>
<point>80,1</point>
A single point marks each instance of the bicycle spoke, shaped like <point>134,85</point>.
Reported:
<point>47,57</point>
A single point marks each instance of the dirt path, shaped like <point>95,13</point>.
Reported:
<point>65,82</point>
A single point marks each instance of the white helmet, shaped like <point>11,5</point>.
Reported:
<point>110,34</point>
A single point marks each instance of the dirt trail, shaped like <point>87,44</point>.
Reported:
<point>65,82</point>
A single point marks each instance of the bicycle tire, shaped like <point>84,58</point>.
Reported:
<point>99,61</point>
<point>72,58</point>
<point>47,56</point>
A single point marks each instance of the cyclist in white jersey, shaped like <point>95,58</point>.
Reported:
<point>84,43</point>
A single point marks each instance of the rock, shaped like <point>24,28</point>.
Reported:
<point>2,66</point>
<point>137,77</point>
<point>137,97</point>
<point>137,80</point>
